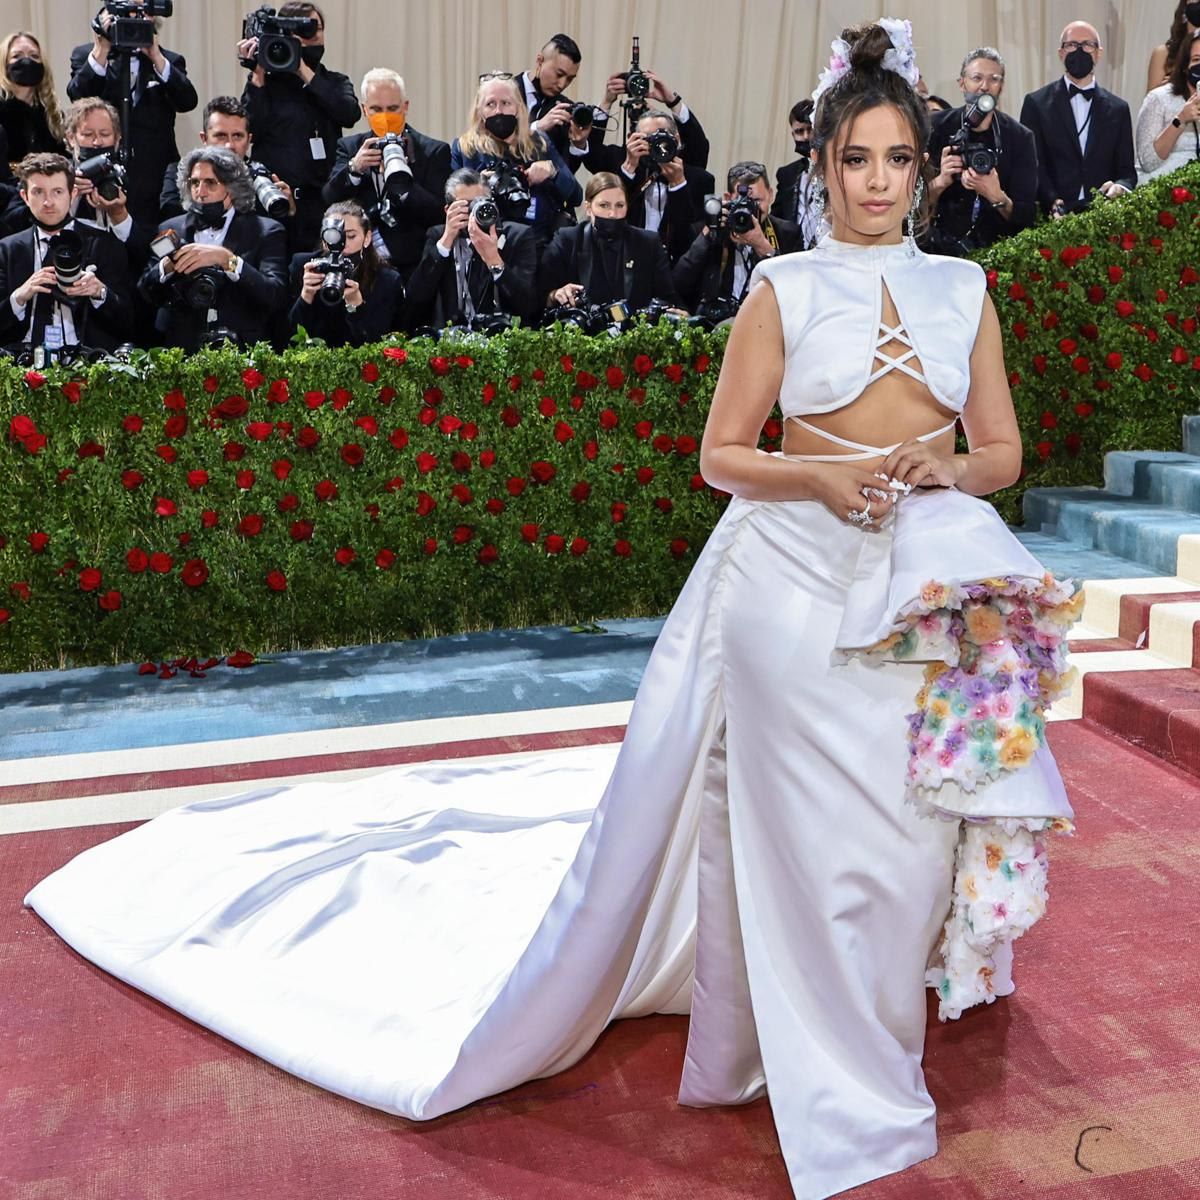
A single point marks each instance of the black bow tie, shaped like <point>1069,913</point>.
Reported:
<point>1086,93</point>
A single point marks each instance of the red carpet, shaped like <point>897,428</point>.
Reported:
<point>1085,1084</point>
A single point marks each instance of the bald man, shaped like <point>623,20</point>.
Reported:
<point>1084,133</point>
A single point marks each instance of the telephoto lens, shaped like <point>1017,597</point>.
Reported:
<point>66,257</point>
<point>395,171</point>
<point>485,212</point>
<point>270,199</point>
<point>743,211</point>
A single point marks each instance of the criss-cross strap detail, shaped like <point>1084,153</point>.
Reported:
<point>864,451</point>
<point>899,362</point>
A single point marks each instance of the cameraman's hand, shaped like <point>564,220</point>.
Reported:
<point>157,58</point>
<point>368,158</point>
<point>755,239</point>
<point>100,44</point>
<point>568,294</point>
<point>987,186</point>
<point>352,296</point>
<point>560,114</point>
<point>192,257</point>
<point>86,285</point>
<point>486,243</point>
<point>286,189</point>
<point>949,169</point>
<point>457,217</point>
<point>311,284</point>
<point>614,86</point>
<point>659,90</point>
<point>247,49</point>
<point>117,208</point>
<point>83,187</point>
<point>540,172</point>
<point>673,172</point>
<point>40,283</point>
<point>635,150</point>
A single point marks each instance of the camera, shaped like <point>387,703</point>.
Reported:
<point>197,290</point>
<point>394,170</point>
<point>508,187</point>
<point>485,212</point>
<point>66,257</point>
<point>661,146</point>
<point>270,199</point>
<point>105,174</point>
<point>637,82</point>
<point>590,317</point>
<point>278,39</point>
<point>129,29</point>
<point>583,115</point>
<point>743,211</point>
<point>980,159</point>
<point>714,210</point>
<point>715,312</point>
<point>333,265</point>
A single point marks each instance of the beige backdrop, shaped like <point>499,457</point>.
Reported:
<point>740,64</point>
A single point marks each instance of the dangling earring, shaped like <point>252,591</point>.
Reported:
<point>816,206</point>
<point>910,233</point>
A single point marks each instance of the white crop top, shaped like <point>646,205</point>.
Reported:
<point>830,304</point>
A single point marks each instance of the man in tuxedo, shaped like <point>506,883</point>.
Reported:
<point>160,88</point>
<point>794,187</point>
<point>693,142</point>
<point>1084,134</point>
<point>94,310</point>
<point>403,210</point>
<point>544,86</point>
<point>719,262</point>
<point>668,197</point>
<point>297,119</point>
<point>973,209</point>
<point>241,255</point>
<point>468,270</point>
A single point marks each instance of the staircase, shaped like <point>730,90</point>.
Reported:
<point>1136,543</point>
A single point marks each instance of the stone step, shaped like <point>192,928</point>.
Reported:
<point>1191,434</point>
<point>1167,478</point>
<point>1066,560</point>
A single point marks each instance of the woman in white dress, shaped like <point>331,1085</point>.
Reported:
<point>1168,124</point>
<point>833,788</point>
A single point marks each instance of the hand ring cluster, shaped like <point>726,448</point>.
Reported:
<point>864,517</point>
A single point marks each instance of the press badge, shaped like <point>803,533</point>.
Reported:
<point>317,147</point>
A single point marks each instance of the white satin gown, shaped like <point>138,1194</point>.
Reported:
<point>440,933</point>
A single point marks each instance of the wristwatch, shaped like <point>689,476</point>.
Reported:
<point>497,270</point>
<point>674,100</point>
<point>232,265</point>
<point>352,308</point>
<point>1177,122</point>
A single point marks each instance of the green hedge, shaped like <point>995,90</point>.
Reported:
<point>178,506</point>
<point>1099,314</point>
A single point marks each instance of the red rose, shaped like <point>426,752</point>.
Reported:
<point>645,474</point>
<point>439,365</point>
<point>34,443</point>
<point>510,416</point>
<point>175,425</point>
<point>245,480</point>
<point>233,451</point>
<point>1044,449</point>
<point>1016,292</point>
<point>288,502</point>
<point>301,531</point>
<point>161,563</point>
<point>581,491</point>
<point>644,429</point>
<point>314,399</point>
<point>673,372</point>
<point>385,558</point>
<point>368,425</point>
<point>132,480</point>
<point>185,539</point>
<point>210,384</point>
<point>449,423</point>
<point>110,601</point>
<point>515,486</point>
<point>637,396</point>
<point>167,453</point>
<point>1083,409</point>
<point>567,363</point>
<point>1073,443</point>
<point>679,547</point>
<point>1048,421</point>
<point>563,432</point>
<point>5,615</point>
<point>1180,195</point>
<point>259,431</point>
<point>1167,220</point>
<point>664,504</point>
<point>232,407</point>
<point>251,525</point>
<point>614,376</point>
<point>542,471</point>
<point>425,504</point>
<point>1039,363</point>
<point>432,397</point>
<point>487,458</point>
<point>209,518</point>
<point>132,423</point>
<point>277,393</point>
<point>197,479</point>
<point>344,556</point>
<point>1089,331</point>
<point>462,534</point>
<point>398,438</point>
<point>547,407</point>
<point>34,379</point>
<point>21,427</point>
<point>460,461</point>
<point>1081,364</point>
<point>686,444</point>
<point>1050,321</point>
<point>252,378</point>
<point>538,374</point>
<point>622,549</point>
<point>1143,372</point>
<point>427,416</point>
<point>462,493</point>
<point>992,278</point>
<point>488,555</point>
<point>1113,361</point>
<point>580,546</point>
<point>584,381</point>
<point>136,560</point>
<point>700,366</point>
<point>531,532</point>
<point>369,372</point>
<point>394,484</point>
<point>307,438</point>
<point>618,511</point>
<point>396,353</point>
<point>1188,276</point>
<point>576,403</point>
<point>555,544</point>
<point>431,545</point>
<point>352,454</point>
<point>495,506</point>
<point>326,490</point>
<point>277,581</point>
<point>643,364</point>
<point>89,579</point>
<point>1116,274</point>
<point>696,483</point>
<point>489,392</point>
<point>1096,294</point>
<point>281,469</point>
<point>609,419</point>
<point>339,398</point>
<point>514,383</point>
<point>1179,355</point>
<point>664,443</point>
<point>164,507</point>
<point>426,462</point>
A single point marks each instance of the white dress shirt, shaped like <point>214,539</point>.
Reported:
<point>61,316</point>
<point>1082,111</point>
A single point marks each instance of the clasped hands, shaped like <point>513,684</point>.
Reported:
<point>871,493</point>
<point>44,280</point>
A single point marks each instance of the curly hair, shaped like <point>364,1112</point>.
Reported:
<point>227,167</point>
<point>865,86</point>
<point>44,90</point>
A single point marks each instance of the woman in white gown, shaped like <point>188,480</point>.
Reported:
<point>833,786</point>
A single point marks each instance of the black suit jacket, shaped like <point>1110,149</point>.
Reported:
<point>787,183</point>
<point>646,271</point>
<point>433,287</point>
<point>423,206</point>
<point>106,326</point>
<point>246,306</point>
<point>706,271</point>
<point>380,313</point>
<point>152,136</point>
<point>1062,169</point>
<point>693,143</point>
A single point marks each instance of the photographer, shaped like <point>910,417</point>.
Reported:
<point>160,88</point>
<point>735,238</point>
<point>987,165</point>
<point>347,294</point>
<point>403,196</point>
<point>1168,124</point>
<point>1084,134</point>
<point>529,180</point>
<point>475,265</point>
<point>550,111</point>
<point>225,123</point>
<point>228,270</point>
<point>603,259</point>
<point>794,187</point>
<point>66,283</point>
<point>298,115</point>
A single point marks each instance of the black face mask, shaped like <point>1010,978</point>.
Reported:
<point>1192,13</point>
<point>608,229</point>
<point>501,125</point>
<point>1194,74</point>
<point>804,146</point>
<point>27,72</point>
<point>312,55</point>
<point>1079,63</point>
<point>52,228</point>
<point>210,214</point>
<point>83,153</point>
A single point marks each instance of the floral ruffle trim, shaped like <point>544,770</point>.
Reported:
<point>997,658</point>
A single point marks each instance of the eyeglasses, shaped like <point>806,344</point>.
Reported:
<point>1087,45</point>
<point>489,75</point>
<point>978,79</point>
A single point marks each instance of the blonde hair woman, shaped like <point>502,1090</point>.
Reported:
<point>498,132</point>
<point>29,111</point>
